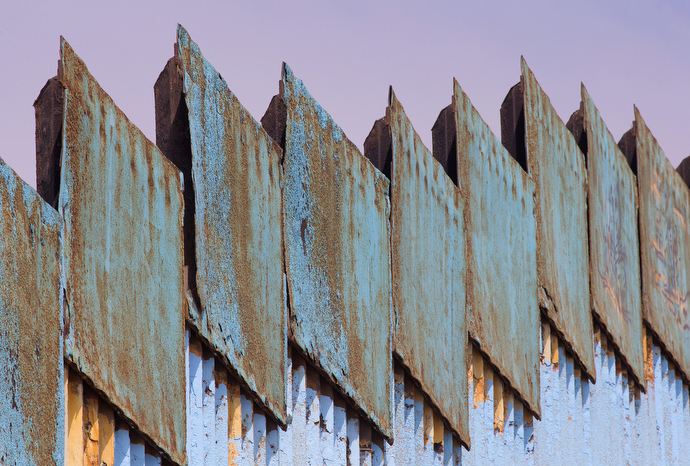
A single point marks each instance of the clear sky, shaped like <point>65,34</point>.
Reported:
<point>348,53</point>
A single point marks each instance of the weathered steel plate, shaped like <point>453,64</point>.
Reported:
<point>31,372</point>
<point>500,228</point>
<point>428,269</point>
<point>557,167</point>
<point>664,245</point>
<point>336,211</point>
<point>121,201</point>
<point>236,173</point>
<point>613,244</point>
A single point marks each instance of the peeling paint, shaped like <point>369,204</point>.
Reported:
<point>121,202</point>
<point>31,374</point>
<point>502,307</point>
<point>613,241</point>
<point>235,168</point>
<point>428,270</point>
<point>664,245</point>
<point>558,169</point>
<point>336,212</point>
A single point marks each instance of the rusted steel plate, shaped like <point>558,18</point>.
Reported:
<point>558,169</point>
<point>614,255</point>
<point>336,212</point>
<point>236,173</point>
<point>428,269</point>
<point>664,245</point>
<point>31,372</point>
<point>121,201</point>
<point>500,228</point>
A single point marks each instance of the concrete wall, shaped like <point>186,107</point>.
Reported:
<point>253,293</point>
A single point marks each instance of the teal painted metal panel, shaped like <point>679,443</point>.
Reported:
<point>32,369</point>
<point>558,169</point>
<point>429,272</point>
<point>613,242</point>
<point>235,167</point>
<point>336,223</point>
<point>501,240</point>
<point>664,245</point>
<point>121,201</point>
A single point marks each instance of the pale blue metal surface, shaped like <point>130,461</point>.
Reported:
<point>121,201</point>
<point>236,172</point>
<point>32,369</point>
<point>336,224</point>
<point>664,245</point>
<point>429,272</point>
<point>614,252</point>
<point>501,240</point>
<point>558,169</point>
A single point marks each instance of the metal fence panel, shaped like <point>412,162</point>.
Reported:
<point>236,173</point>
<point>31,372</point>
<point>121,202</point>
<point>428,269</point>
<point>664,245</point>
<point>336,223</point>
<point>557,167</point>
<point>502,302</point>
<point>613,243</point>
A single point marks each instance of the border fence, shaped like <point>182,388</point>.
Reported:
<point>249,292</point>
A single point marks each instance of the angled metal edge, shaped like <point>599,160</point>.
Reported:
<point>558,169</point>
<point>665,245</point>
<point>337,249</point>
<point>238,220</point>
<point>481,156</point>
<point>121,202</point>
<point>613,239</point>
<point>429,272</point>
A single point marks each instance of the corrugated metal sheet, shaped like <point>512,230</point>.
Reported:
<point>121,201</point>
<point>336,212</point>
<point>613,244</point>
<point>557,167</point>
<point>236,172</point>
<point>664,245</point>
<point>502,302</point>
<point>31,372</point>
<point>428,267</point>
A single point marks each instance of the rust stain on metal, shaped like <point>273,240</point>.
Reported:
<point>121,201</point>
<point>502,306</point>
<point>664,245</point>
<point>235,167</point>
<point>31,374</point>
<point>613,242</point>
<point>336,222</point>
<point>558,169</point>
<point>428,266</point>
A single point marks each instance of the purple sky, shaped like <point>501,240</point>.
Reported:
<point>348,53</point>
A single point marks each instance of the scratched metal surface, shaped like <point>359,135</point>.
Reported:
<point>558,169</point>
<point>31,372</point>
<point>503,311</point>
<point>336,212</point>
<point>121,201</point>
<point>236,172</point>
<point>613,243</point>
<point>428,270</point>
<point>664,245</point>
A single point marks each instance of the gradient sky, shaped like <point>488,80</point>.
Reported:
<point>348,53</point>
